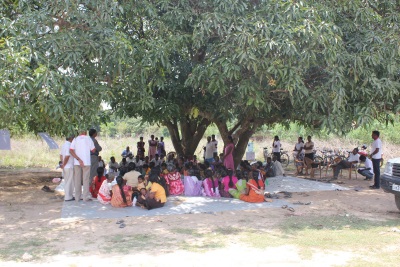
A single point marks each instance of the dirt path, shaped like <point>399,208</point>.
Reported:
<point>40,237</point>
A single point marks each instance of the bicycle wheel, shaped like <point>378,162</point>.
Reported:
<point>318,159</point>
<point>285,159</point>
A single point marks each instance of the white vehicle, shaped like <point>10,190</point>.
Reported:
<point>390,180</point>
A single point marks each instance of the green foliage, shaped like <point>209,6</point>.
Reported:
<point>331,65</point>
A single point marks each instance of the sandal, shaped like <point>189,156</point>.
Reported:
<point>47,189</point>
<point>284,206</point>
<point>291,209</point>
<point>122,225</point>
<point>120,221</point>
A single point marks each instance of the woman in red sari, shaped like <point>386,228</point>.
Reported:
<point>97,181</point>
<point>174,182</point>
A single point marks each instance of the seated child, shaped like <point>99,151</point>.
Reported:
<point>141,182</point>
<point>141,201</point>
<point>104,194</point>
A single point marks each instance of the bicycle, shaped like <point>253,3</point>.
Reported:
<point>284,156</point>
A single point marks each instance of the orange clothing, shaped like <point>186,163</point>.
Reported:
<point>116,199</point>
<point>253,197</point>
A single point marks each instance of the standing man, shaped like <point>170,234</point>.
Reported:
<point>309,148</point>
<point>80,150</point>
<point>94,156</point>
<point>215,146</point>
<point>209,151</point>
<point>67,165</point>
<point>376,157</point>
<point>276,148</point>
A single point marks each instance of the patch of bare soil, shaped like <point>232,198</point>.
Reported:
<point>38,232</point>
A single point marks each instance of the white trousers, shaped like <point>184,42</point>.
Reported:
<point>68,183</point>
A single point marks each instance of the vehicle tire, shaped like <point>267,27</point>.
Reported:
<point>285,159</point>
<point>397,200</point>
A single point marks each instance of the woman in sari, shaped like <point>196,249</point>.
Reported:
<point>173,179</point>
<point>140,148</point>
<point>240,185</point>
<point>192,182</point>
<point>121,195</point>
<point>97,182</point>
<point>255,189</point>
<point>210,185</point>
<point>228,154</point>
<point>228,182</point>
<point>152,147</point>
<point>161,147</point>
<point>104,195</point>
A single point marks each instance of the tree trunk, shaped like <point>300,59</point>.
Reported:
<point>188,138</point>
<point>241,134</point>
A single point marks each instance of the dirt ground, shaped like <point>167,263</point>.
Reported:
<point>33,233</point>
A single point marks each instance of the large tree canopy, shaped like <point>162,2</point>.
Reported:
<point>187,64</point>
<point>318,63</point>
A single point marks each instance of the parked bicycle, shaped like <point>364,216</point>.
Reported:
<point>284,156</point>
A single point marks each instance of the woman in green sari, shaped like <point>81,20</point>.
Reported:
<point>240,185</point>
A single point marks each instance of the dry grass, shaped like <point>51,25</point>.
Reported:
<point>32,152</point>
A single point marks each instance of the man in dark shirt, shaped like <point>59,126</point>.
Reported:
<point>94,155</point>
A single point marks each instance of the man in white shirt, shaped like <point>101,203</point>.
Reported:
<point>209,151</point>
<point>276,148</point>
<point>113,165</point>
<point>67,165</point>
<point>80,150</point>
<point>368,170</point>
<point>277,167</point>
<point>215,145</point>
<point>354,158</point>
<point>376,157</point>
<point>157,161</point>
<point>138,162</point>
<point>130,158</point>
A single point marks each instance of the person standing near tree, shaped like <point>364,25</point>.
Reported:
<point>161,147</point>
<point>309,148</point>
<point>215,145</point>
<point>152,147</point>
<point>228,154</point>
<point>140,148</point>
<point>209,151</point>
<point>276,148</point>
<point>94,156</point>
<point>67,165</point>
<point>376,157</point>
<point>80,150</point>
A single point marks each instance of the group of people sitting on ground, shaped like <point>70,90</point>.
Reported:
<point>148,185</point>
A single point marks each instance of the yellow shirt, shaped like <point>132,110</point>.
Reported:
<point>148,186</point>
<point>159,192</point>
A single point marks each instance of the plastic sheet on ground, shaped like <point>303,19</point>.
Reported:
<point>175,205</point>
<point>294,184</point>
